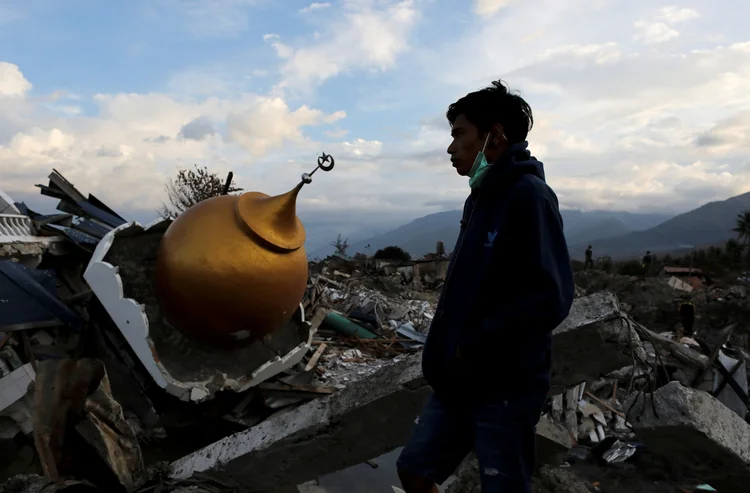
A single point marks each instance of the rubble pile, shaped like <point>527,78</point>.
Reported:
<point>98,392</point>
<point>89,370</point>
<point>360,329</point>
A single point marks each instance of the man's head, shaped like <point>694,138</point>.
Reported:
<point>493,115</point>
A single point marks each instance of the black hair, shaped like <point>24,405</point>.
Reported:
<point>495,104</point>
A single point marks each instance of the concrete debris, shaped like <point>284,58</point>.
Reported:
<point>285,450</point>
<point>595,339</point>
<point>679,284</point>
<point>702,438</point>
<point>99,389</point>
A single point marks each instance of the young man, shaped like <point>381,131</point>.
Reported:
<point>589,258</point>
<point>509,285</point>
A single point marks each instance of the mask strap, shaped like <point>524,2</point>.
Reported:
<point>485,142</point>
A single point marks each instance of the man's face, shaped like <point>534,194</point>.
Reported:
<point>467,143</point>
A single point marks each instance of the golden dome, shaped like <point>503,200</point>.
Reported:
<point>232,269</point>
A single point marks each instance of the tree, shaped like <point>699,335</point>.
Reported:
<point>743,228</point>
<point>733,250</point>
<point>193,186</point>
<point>392,253</point>
<point>341,245</point>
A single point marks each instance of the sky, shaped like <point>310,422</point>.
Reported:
<point>639,105</point>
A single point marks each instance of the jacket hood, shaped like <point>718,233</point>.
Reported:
<point>516,159</point>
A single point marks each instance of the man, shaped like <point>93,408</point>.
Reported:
<point>647,259</point>
<point>509,284</point>
<point>589,258</point>
<point>687,313</point>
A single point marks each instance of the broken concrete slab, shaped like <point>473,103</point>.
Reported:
<point>698,435</point>
<point>333,433</point>
<point>323,436</point>
<point>120,274</point>
<point>595,339</point>
<point>357,424</point>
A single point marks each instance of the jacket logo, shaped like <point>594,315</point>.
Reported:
<point>491,239</point>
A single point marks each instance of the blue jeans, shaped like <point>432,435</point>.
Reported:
<point>502,435</point>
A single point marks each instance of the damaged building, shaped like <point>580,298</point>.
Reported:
<point>104,386</point>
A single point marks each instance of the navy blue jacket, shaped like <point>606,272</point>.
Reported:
<point>509,284</point>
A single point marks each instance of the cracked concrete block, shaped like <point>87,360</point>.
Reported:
<point>595,339</point>
<point>696,434</point>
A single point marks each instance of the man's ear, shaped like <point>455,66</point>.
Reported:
<point>498,138</point>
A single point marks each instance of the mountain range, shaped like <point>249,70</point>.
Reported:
<point>614,233</point>
<point>709,224</point>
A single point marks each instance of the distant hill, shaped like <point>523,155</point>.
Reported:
<point>606,228</point>
<point>421,235</point>
<point>709,224</point>
<point>417,237</point>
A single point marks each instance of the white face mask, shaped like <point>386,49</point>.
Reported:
<point>480,166</point>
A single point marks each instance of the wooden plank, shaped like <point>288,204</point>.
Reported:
<point>315,357</point>
<point>680,352</point>
<point>294,390</point>
<point>604,404</point>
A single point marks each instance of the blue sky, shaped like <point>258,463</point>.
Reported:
<point>639,106</point>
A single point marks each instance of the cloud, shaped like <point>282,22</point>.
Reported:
<point>660,30</point>
<point>490,7</point>
<point>282,51</point>
<point>315,6</point>
<point>601,53</point>
<point>654,32</point>
<point>125,150</point>
<point>673,14</point>
<point>369,35</point>
<point>729,135</point>
<point>620,123</point>
<point>12,81</point>
<point>268,123</point>
<point>337,134</point>
<point>197,129</point>
<point>362,147</point>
